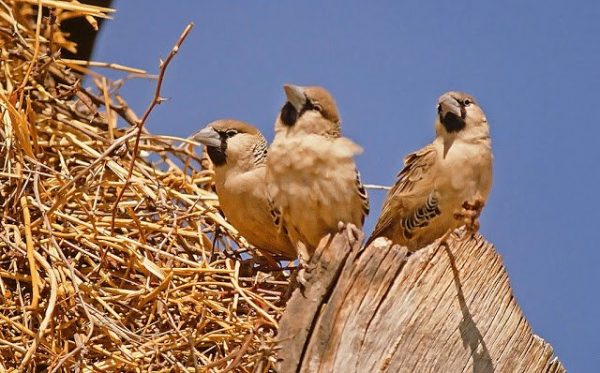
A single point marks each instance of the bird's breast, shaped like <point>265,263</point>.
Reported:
<point>466,169</point>
<point>312,180</point>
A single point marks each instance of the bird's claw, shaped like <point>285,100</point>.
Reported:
<point>469,214</point>
<point>304,276</point>
<point>352,232</point>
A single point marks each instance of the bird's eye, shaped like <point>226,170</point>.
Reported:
<point>309,105</point>
<point>467,102</point>
<point>231,133</point>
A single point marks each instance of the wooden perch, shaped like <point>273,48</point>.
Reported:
<point>441,309</point>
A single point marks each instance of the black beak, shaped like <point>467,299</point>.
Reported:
<point>452,113</point>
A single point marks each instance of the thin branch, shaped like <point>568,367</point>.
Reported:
<point>377,187</point>
<point>108,65</point>
<point>155,101</point>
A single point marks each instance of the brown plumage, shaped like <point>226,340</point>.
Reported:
<point>238,152</point>
<point>311,174</point>
<point>438,179</point>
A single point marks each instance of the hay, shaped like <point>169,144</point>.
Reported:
<point>112,257</point>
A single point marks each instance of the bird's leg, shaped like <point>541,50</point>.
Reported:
<point>301,275</point>
<point>304,268</point>
<point>469,214</point>
<point>352,232</point>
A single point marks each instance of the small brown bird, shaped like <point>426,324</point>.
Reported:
<point>239,154</point>
<point>444,185</point>
<point>311,175</point>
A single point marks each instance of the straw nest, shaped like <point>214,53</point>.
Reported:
<point>113,254</point>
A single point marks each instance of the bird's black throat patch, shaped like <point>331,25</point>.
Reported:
<point>289,114</point>
<point>452,122</point>
<point>217,153</point>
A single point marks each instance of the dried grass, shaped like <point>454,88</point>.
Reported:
<point>112,257</point>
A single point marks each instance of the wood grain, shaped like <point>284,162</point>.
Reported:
<point>442,309</point>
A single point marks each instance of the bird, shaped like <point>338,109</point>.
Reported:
<point>444,185</point>
<point>238,152</point>
<point>312,179</point>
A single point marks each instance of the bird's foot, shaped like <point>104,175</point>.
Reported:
<point>304,276</point>
<point>304,267</point>
<point>352,232</point>
<point>299,278</point>
<point>469,214</point>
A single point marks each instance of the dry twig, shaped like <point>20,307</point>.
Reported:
<point>157,99</point>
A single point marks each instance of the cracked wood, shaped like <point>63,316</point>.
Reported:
<point>375,309</point>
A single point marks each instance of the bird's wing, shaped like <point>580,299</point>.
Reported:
<point>276,215</point>
<point>412,201</point>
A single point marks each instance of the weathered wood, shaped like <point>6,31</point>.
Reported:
<point>305,303</point>
<point>441,309</point>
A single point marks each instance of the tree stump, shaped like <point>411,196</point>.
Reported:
<point>445,308</point>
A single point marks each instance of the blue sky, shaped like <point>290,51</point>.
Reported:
<point>534,67</point>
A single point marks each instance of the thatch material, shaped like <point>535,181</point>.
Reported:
<point>445,308</point>
<point>153,280</point>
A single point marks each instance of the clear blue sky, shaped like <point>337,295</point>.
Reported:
<point>533,65</point>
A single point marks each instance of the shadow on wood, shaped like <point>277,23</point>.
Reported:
<point>441,309</point>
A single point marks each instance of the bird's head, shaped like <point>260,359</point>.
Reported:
<point>459,116</point>
<point>232,142</point>
<point>309,110</point>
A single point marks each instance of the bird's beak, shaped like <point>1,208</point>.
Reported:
<point>448,104</point>
<point>208,136</point>
<point>295,96</point>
